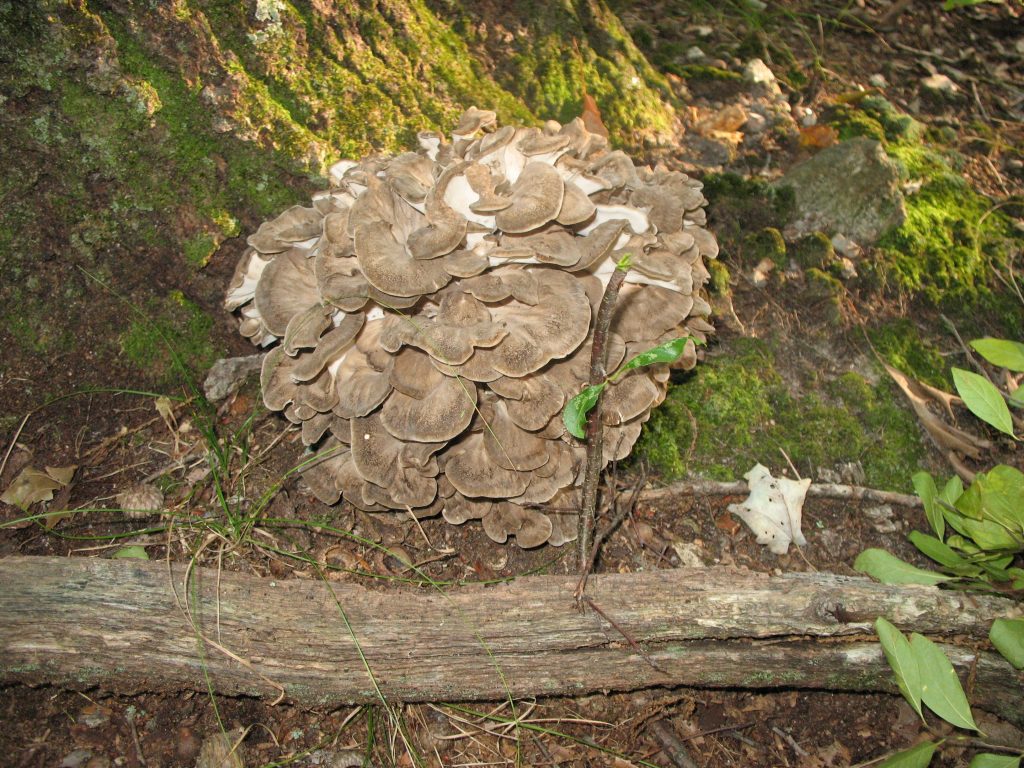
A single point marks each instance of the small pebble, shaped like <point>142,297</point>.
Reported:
<point>846,269</point>
<point>878,81</point>
<point>694,53</point>
<point>940,84</point>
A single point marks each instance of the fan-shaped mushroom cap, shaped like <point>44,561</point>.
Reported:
<point>286,288</point>
<point>471,471</point>
<point>398,467</point>
<point>295,225</point>
<point>426,406</point>
<point>530,528</point>
<point>435,314</point>
<point>536,199</point>
<point>389,267</point>
<point>474,120</point>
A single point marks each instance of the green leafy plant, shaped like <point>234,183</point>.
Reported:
<point>977,532</point>
<point>926,678</point>
<point>575,412</point>
<point>981,396</point>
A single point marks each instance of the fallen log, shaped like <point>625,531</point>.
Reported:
<point>133,625</point>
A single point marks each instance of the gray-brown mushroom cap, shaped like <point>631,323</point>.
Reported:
<point>536,199</point>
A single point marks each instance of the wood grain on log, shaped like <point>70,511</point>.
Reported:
<point>119,624</point>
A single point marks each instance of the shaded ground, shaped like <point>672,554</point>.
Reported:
<point>125,218</point>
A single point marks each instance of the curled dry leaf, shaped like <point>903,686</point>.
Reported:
<point>432,312</point>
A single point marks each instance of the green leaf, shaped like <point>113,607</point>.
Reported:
<point>942,554</point>
<point>990,536</point>
<point>988,760</point>
<point>924,484</point>
<point>1005,354</point>
<point>915,757</point>
<point>1001,491</point>
<point>134,552</point>
<point>575,412</point>
<point>983,399</point>
<point>952,490</point>
<point>668,352</point>
<point>889,569</point>
<point>1007,635</point>
<point>1017,396</point>
<point>940,687</point>
<point>903,662</point>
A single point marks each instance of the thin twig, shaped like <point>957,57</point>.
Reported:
<point>595,428</point>
<point>819,490</point>
<point>629,639</point>
<point>135,739</point>
<point>671,745</point>
<point>621,515</point>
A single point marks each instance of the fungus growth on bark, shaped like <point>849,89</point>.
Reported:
<point>432,315</point>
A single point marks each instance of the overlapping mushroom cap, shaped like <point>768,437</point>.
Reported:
<point>433,314</point>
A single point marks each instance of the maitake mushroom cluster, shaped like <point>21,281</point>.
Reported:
<point>435,309</point>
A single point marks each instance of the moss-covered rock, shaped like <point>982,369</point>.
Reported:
<point>767,243</point>
<point>815,251</point>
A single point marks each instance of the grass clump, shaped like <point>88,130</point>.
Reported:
<point>736,411</point>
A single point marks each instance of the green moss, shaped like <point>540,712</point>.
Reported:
<point>735,410</point>
<point>764,244</point>
<point>551,54</point>
<point>814,251</point>
<point>707,72</point>
<point>200,249</point>
<point>719,282</point>
<point>902,346</point>
<point>170,339</point>
<point>951,242</point>
<point>739,205</point>
<point>826,292</point>
<point>953,238</point>
<point>851,121</point>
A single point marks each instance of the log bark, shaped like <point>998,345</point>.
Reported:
<point>124,625</point>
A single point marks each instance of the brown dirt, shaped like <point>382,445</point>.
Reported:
<point>791,728</point>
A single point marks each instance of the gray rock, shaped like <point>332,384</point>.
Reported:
<point>757,73</point>
<point>227,374</point>
<point>755,123</point>
<point>941,84</point>
<point>852,188</point>
<point>76,758</point>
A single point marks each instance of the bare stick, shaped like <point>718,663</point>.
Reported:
<point>595,429</point>
<point>820,490</point>
<point>671,745</point>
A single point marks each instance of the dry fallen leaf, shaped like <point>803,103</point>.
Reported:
<point>33,486</point>
<point>818,136</point>
<point>774,509</point>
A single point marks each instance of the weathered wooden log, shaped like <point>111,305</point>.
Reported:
<point>133,625</point>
